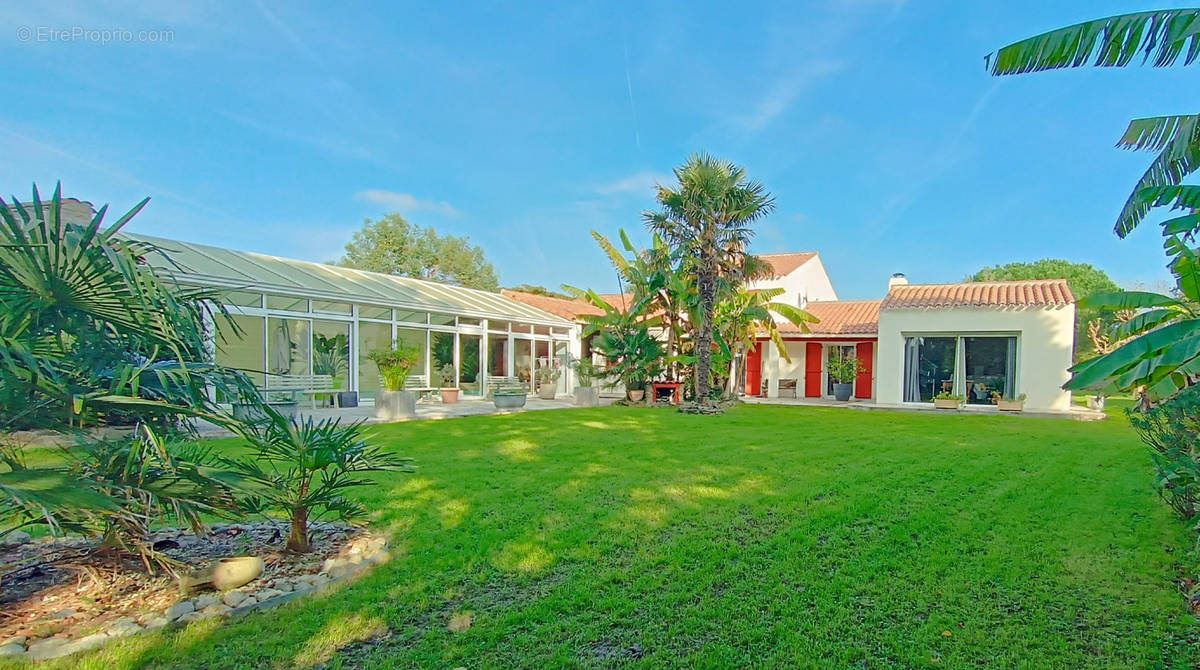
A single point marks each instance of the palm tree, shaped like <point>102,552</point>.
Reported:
<point>1162,352</point>
<point>706,220</point>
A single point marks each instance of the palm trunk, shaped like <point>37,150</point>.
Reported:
<point>297,541</point>
<point>707,285</point>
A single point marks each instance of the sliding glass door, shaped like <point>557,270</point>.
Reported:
<point>976,368</point>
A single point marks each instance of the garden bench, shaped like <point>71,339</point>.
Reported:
<point>297,385</point>
<point>505,384</point>
<point>787,386</point>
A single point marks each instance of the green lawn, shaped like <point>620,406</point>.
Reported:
<point>768,537</point>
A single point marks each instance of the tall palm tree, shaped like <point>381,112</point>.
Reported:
<point>706,220</point>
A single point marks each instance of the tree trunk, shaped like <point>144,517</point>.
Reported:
<point>707,285</point>
<point>297,541</point>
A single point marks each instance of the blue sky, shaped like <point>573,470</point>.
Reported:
<point>278,127</point>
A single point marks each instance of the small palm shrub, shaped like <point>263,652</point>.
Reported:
<point>844,370</point>
<point>117,491</point>
<point>302,468</point>
<point>1172,431</point>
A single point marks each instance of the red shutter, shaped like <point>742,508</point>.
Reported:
<point>754,370</point>
<point>862,384</point>
<point>812,370</point>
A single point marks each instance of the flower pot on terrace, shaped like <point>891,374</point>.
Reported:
<point>1010,405</point>
<point>945,403</point>
<point>1096,402</point>
<point>841,392</point>
<point>449,396</point>
<point>587,396</point>
<point>546,391</point>
<point>395,405</point>
<point>508,400</point>
<point>636,395</point>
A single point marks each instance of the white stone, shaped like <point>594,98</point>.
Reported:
<point>234,598</point>
<point>179,609</point>
<point>207,600</point>
<point>50,647</point>
<point>267,594</point>
<point>124,629</point>
<point>17,537</point>
<point>250,600</point>
<point>155,621</point>
<point>12,649</point>
<point>218,609</point>
<point>17,639</point>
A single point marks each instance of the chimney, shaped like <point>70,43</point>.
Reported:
<point>897,279</point>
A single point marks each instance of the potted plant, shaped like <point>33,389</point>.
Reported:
<point>329,357</point>
<point>509,398</point>
<point>587,394</point>
<point>442,379</point>
<point>1097,401</point>
<point>1011,405</point>
<point>842,372</point>
<point>947,400</point>
<point>395,364</point>
<point>547,379</point>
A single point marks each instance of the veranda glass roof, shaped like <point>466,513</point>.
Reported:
<point>207,266</point>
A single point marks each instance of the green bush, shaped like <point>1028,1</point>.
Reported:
<point>1172,431</point>
<point>395,365</point>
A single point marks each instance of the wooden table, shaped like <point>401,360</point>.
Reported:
<point>655,386</point>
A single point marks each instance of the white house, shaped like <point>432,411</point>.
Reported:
<point>975,340</point>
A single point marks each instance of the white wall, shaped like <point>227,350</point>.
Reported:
<point>809,280</point>
<point>1045,344</point>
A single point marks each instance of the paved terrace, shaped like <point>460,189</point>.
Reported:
<point>1077,412</point>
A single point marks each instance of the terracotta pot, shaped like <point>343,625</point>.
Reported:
<point>449,396</point>
<point>636,395</point>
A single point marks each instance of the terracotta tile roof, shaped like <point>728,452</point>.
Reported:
<point>840,317</point>
<point>621,301</point>
<point>1031,293</point>
<point>567,308</point>
<point>785,264</point>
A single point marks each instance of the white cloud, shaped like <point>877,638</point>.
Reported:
<point>638,183</point>
<point>406,203</point>
<point>784,93</point>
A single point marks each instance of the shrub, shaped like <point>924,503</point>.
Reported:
<point>844,370</point>
<point>395,365</point>
<point>301,468</point>
<point>1172,431</point>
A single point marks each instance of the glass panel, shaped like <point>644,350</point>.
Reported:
<point>468,364</point>
<point>242,350</point>
<point>465,321</point>
<point>561,357</point>
<point>411,317</point>
<point>371,337</point>
<point>498,326</point>
<point>415,339</point>
<point>441,319</point>
<point>242,299</point>
<point>541,330</point>
<point>373,312</point>
<point>522,359</point>
<point>497,351</point>
<point>441,372</point>
<point>287,303</point>
<point>987,369</point>
<point>836,352</point>
<point>331,351</point>
<point>332,307</point>
<point>542,350</point>
<point>928,367</point>
<point>287,346</point>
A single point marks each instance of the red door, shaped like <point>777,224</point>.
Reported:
<point>862,383</point>
<point>754,370</point>
<point>812,370</point>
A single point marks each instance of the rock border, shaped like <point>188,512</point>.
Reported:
<point>362,553</point>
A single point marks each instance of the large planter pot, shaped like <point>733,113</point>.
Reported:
<point>841,392</point>
<point>547,391</point>
<point>945,403</point>
<point>449,396</point>
<point>1010,405</point>
<point>508,400</point>
<point>347,399</point>
<point>252,413</point>
<point>225,574</point>
<point>395,405</point>
<point>587,396</point>
<point>636,395</point>
<point>1096,402</point>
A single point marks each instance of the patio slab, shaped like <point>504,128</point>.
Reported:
<point>1076,413</point>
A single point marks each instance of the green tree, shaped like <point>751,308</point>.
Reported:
<point>537,289</point>
<point>394,246</point>
<point>1163,352</point>
<point>705,219</point>
<point>1084,279</point>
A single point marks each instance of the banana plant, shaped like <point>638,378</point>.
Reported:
<point>743,314</point>
<point>1163,355</point>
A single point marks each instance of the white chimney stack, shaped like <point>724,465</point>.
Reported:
<point>897,279</point>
